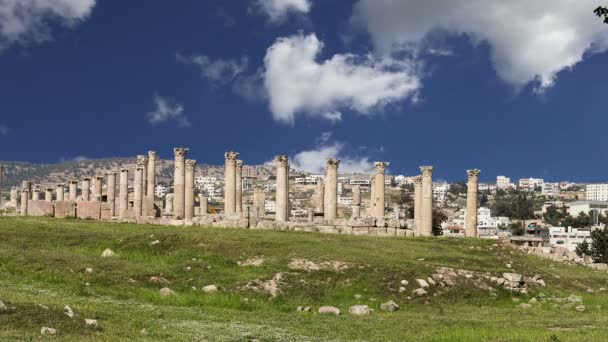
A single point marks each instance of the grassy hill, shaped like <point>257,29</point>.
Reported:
<point>261,281</point>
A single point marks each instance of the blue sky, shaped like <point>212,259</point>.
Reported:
<point>517,91</point>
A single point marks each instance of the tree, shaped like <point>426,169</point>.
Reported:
<point>439,217</point>
<point>517,228</point>
<point>583,249</point>
<point>483,200</point>
<point>602,11</point>
<point>599,245</point>
<point>458,188</point>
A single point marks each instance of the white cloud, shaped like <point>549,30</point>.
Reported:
<point>296,83</point>
<point>220,71</point>
<point>314,160</point>
<point>28,20</point>
<point>165,111</point>
<point>530,41</point>
<point>4,130</point>
<point>277,10</point>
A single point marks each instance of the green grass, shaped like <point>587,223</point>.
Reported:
<point>43,262</point>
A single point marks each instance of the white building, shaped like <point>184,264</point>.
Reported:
<point>529,184</point>
<point>587,206</point>
<point>345,201</point>
<point>270,206</point>
<point>551,189</point>
<point>557,204</point>
<point>568,237</point>
<point>486,224</point>
<point>486,187</point>
<point>359,181</point>
<point>597,192</point>
<point>404,180</point>
<point>308,179</point>
<point>503,183</point>
<point>201,180</point>
<point>160,190</point>
<point>340,188</point>
<point>439,193</point>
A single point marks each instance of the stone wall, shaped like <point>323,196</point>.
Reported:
<point>40,208</point>
<point>89,210</point>
<point>65,209</point>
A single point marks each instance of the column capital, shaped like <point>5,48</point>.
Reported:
<point>142,160</point>
<point>380,167</point>
<point>139,168</point>
<point>111,173</point>
<point>152,154</point>
<point>180,152</point>
<point>231,155</point>
<point>86,178</point>
<point>99,177</point>
<point>25,191</point>
<point>60,185</point>
<point>282,160</point>
<point>418,181</point>
<point>239,164</point>
<point>73,181</point>
<point>473,174</point>
<point>426,170</point>
<point>49,189</point>
<point>333,163</point>
<point>124,169</point>
<point>190,164</point>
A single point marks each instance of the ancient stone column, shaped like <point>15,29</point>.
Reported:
<point>426,214</point>
<point>27,185</point>
<point>14,197</point>
<point>371,211</point>
<point>179,182</point>
<point>25,196</point>
<point>60,192</point>
<point>97,188</point>
<point>48,194</point>
<point>330,210</point>
<point>189,189</point>
<point>259,202</point>
<point>111,192</point>
<point>471,218</point>
<point>230,183</point>
<point>169,203</point>
<point>379,179</point>
<point>86,189</point>
<point>123,194</point>
<point>319,196</point>
<point>138,191</point>
<point>37,193</point>
<point>73,190</point>
<point>282,201</point>
<point>151,182</point>
<point>239,186</point>
<point>142,161</point>
<point>356,202</point>
<point>417,204</point>
<point>204,203</point>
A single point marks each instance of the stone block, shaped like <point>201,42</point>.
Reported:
<point>89,210</point>
<point>106,211</point>
<point>360,230</point>
<point>40,208</point>
<point>378,231</point>
<point>65,209</point>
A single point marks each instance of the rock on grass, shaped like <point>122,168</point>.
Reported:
<point>329,310</point>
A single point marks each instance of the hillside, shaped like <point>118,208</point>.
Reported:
<point>263,276</point>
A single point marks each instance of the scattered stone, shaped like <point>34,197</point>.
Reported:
<point>300,308</point>
<point>256,261</point>
<point>303,264</point>
<point>468,276</point>
<point>404,282</point>
<point>210,289</point>
<point>68,311</point>
<point>541,282</point>
<point>401,289</point>
<point>508,266</point>
<point>390,306</point>
<point>166,292</point>
<point>307,309</point>
<point>419,292</point>
<point>358,296</point>
<point>541,295</point>
<point>107,253</point>
<point>590,291</point>
<point>48,331</point>
<point>3,307</point>
<point>87,284</point>
<point>430,280</point>
<point>580,308</point>
<point>359,310</point>
<point>513,277</point>
<point>88,270</point>
<point>515,300</point>
<point>422,283</point>
<point>155,242</point>
<point>158,280</point>
<point>188,268</point>
<point>131,280</point>
<point>43,306</point>
<point>533,300</point>
<point>329,310</point>
<point>91,323</point>
<point>269,286</point>
<point>524,306</point>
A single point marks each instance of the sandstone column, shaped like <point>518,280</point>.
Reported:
<point>151,184</point>
<point>48,194</point>
<point>282,194</point>
<point>371,211</point>
<point>169,203</point>
<point>111,192</point>
<point>239,186</point>
<point>189,189</point>
<point>204,203</point>
<point>179,182</point>
<point>142,161</point>
<point>123,199</point>
<point>471,218</point>
<point>379,179</point>
<point>73,190</point>
<point>86,189</point>
<point>138,191</point>
<point>319,197</point>
<point>27,185</point>
<point>417,205</point>
<point>60,192</point>
<point>36,195</point>
<point>330,210</point>
<point>98,188</point>
<point>356,202</point>
<point>14,197</point>
<point>25,196</point>
<point>230,183</point>
<point>426,213</point>
<point>259,202</point>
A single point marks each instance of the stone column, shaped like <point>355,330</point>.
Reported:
<point>239,186</point>
<point>138,191</point>
<point>330,210</point>
<point>179,182</point>
<point>48,194</point>
<point>151,184</point>
<point>98,188</point>
<point>379,179</point>
<point>471,218</point>
<point>417,204</point>
<point>123,194</point>
<point>169,203</point>
<point>25,196</point>
<point>371,211</point>
<point>36,195</point>
<point>111,192</point>
<point>319,197</point>
<point>60,192</point>
<point>426,213</point>
<point>86,189</point>
<point>230,183</point>
<point>259,202</point>
<point>282,194</point>
<point>189,189</point>
<point>27,185</point>
<point>142,161</point>
<point>204,203</point>
<point>356,202</point>
<point>73,190</point>
<point>14,197</point>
